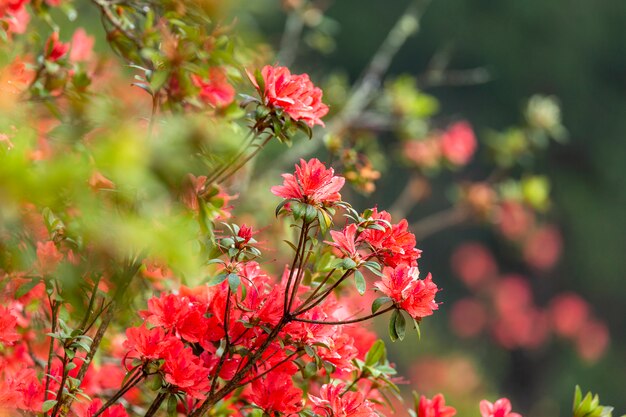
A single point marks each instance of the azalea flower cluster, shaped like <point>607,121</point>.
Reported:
<point>126,286</point>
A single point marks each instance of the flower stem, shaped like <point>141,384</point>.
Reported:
<point>341,322</point>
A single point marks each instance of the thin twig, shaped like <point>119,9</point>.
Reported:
<point>291,38</point>
<point>342,322</point>
<point>106,12</point>
<point>363,91</point>
<point>440,221</point>
<point>414,191</point>
<point>156,404</point>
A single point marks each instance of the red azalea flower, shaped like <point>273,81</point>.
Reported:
<point>425,153</point>
<point>334,402</point>
<point>8,321</point>
<point>394,245</point>
<point>186,371</point>
<point>435,407</point>
<point>276,394</point>
<point>215,90</point>
<point>413,295</point>
<point>148,344</point>
<point>55,49</point>
<point>396,282</point>
<point>173,311</point>
<point>296,94</point>
<point>345,241</point>
<point>21,390</point>
<point>421,301</point>
<point>458,143</point>
<point>11,6</point>
<point>48,256</point>
<point>501,408</point>
<point>312,184</point>
<point>88,410</point>
<point>82,46</point>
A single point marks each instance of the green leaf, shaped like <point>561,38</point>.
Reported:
<point>359,281</point>
<point>374,267</point>
<point>393,333</point>
<point>260,81</point>
<point>417,329</point>
<point>25,289</point>
<point>298,209</point>
<point>310,369</point>
<point>48,405</point>
<point>376,353</point>
<point>400,325</point>
<point>305,128</point>
<point>379,302</point>
<point>216,280</point>
<point>309,350</point>
<point>578,396</point>
<point>158,79</point>
<point>325,220</point>
<point>310,213</point>
<point>233,282</point>
<point>172,402</point>
<point>346,264</point>
<point>281,205</point>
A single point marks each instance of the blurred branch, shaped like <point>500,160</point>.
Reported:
<point>414,191</point>
<point>291,38</point>
<point>440,221</point>
<point>454,78</point>
<point>437,73</point>
<point>117,23</point>
<point>364,89</point>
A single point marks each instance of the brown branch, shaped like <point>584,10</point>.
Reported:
<point>440,221</point>
<point>106,12</point>
<point>342,322</point>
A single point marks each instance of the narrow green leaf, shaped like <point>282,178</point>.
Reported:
<point>379,302</point>
<point>359,281</point>
<point>216,280</point>
<point>48,405</point>
<point>393,333</point>
<point>400,325</point>
<point>376,353</point>
<point>233,282</point>
<point>25,289</point>
<point>171,406</point>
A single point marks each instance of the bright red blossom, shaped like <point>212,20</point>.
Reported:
<point>48,256</point>
<point>296,94</point>
<point>214,90</point>
<point>346,241</point>
<point>82,46</point>
<point>8,335</point>
<point>501,408</point>
<point>394,245</point>
<point>312,183</point>
<point>55,49</point>
<point>148,344</point>
<point>276,393</point>
<point>89,410</point>
<point>434,408</point>
<point>415,296</point>
<point>186,371</point>
<point>333,402</point>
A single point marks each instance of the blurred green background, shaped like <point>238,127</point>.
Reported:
<point>572,49</point>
